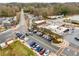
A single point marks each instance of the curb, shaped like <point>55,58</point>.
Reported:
<point>25,43</point>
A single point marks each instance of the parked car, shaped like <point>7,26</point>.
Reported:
<point>66,30</point>
<point>38,49</point>
<point>46,37</point>
<point>35,31</point>
<point>77,38</point>
<point>30,30</point>
<point>32,43</point>
<point>39,33</point>
<point>49,39</point>
<point>20,35</point>
<point>42,51</point>
<point>36,45</point>
<point>46,53</point>
<point>26,38</point>
<point>30,33</point>
<point>26,34</point>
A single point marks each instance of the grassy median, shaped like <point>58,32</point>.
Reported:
<point>16,49</point>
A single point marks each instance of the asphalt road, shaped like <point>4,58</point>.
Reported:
<point>22,25</point>
<point>21,28</point>
<point>4,36</point>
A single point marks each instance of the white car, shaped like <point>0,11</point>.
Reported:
<point>39,33</point>
<point>26,39</point>
<point>36,47</point>
<point>46,53</point>
<point>30,33</point>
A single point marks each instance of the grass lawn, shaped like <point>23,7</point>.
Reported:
<point>16,49</point>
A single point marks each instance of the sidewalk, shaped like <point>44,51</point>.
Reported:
<point>25,43</point>
<point>5,44</point>
<point>52,54</point>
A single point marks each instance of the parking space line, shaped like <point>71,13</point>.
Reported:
<point>43,43</point>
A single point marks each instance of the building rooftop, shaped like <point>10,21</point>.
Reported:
<point>76,17</point>
<point>40,21</point>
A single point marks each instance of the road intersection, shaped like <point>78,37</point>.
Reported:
<point>22,27</point>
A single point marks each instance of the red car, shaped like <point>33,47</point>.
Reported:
<point>42,51</point>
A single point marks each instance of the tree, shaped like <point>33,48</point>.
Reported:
<point>60,9</point>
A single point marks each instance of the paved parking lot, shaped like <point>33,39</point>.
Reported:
<point>70,52</point>
<point>44,43</point>
<point>66,52</point>
<point>74,46</point>
<point>70,38</point>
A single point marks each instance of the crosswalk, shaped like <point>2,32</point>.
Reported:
<point>60,51</point>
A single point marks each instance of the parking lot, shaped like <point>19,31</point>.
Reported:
<point>67,51</point>
<point>43,43</point>
<point>70,52</point>
<point>33,37</point>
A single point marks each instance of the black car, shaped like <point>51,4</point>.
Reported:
<point>20,35</point>
<point>30,30</point>
<point>34,31</point>
<point>27,34</point>
<point>38,49</point>
<point>32,43</point>
<point>77,38</point>
<point>66,30</point>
